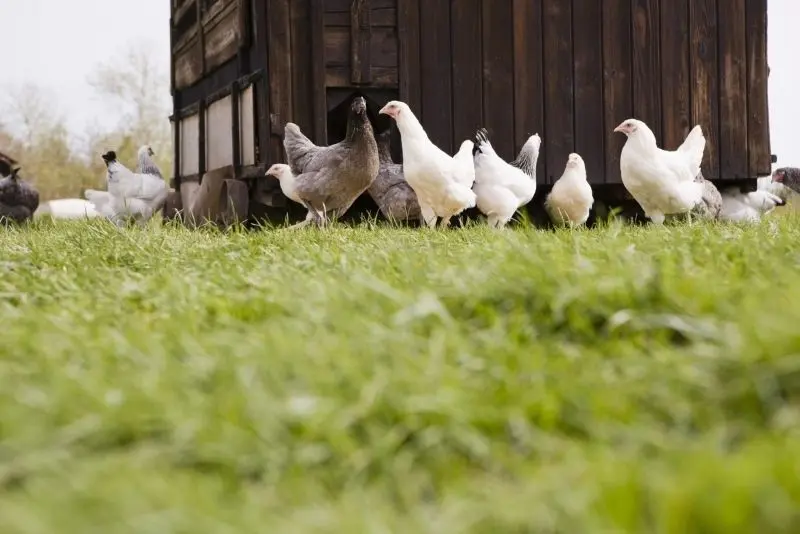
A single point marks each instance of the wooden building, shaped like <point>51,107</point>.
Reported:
<point>570,70</point>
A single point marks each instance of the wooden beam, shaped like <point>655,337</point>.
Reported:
<point>360,36</point>
<point>320,98</point>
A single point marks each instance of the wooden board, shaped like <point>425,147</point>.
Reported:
<point>758,149</point>
<point>704,76</point>
<point>466,69</point>
<point>408,25</point>
<point>733,113</point>
<point>436,83</point>
<point>675,81</point>
<point>617,83</point>
<point>528,85</point>
<point>559,137</point>
<point>647,64</point>
<point>588,64</point>
<point>498,71</point>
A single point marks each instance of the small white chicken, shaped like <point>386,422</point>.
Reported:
<point>66,208</point>
<point>570,200</point>
<point>748,207</point>
<point>130,195</point>
<point>283,173</point>
<point>661,181</point>
<point>502,188</point>
<point>442,182</point>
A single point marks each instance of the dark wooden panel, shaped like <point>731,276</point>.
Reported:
<point>280,76</point>
<point>675,101</point>
<point>704,75</point>
<point>360,53</point>
<point>189,64</point>
<point>383,77</point>
<point>498,72</point>
<point>758,142</point>
<point>558,139</point>
<point>380,18</point>
<point>383,46</point>
<point>528,84</point>
<point>319,96</point>
<point>437,85</point>
<point>647,64</point>
<point>343,6</point>
<point>467,69</point>
<point>408,15</point>
<point>302,84</point>
<point>617,85</point>
<point>589,134</point>
<point>733,114</point>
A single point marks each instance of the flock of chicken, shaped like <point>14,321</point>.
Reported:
<point>431,185</point>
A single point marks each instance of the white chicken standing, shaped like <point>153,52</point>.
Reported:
<point>570,200</point>
<point>442,182</point>
<point>502,188</point>
<point>748,207</point>
<point>661,181</point>
<point>130,195</point>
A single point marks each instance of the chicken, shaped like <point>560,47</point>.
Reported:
<point>570,200</point>
<point>18,199</point>
<point>765,183</point>
<point>502,188</point>
<point>67,208</point>
<point>662,182</point>
<point>788,177</point>
<point>748,207</point>
<point>439,180</point>
<point>130,195</point>
<point>390,191</point>
<point>286,179</point>
<point>329,179</point>
<point>146,165</point>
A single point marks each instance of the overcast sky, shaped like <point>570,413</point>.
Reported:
<point>57,43</point>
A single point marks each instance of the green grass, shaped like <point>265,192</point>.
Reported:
<point>386,380</point>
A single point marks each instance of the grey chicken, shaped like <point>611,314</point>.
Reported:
<point>788,177</point>
<point>390,190</point>
<point>18,199</point>
<point>330,178</point>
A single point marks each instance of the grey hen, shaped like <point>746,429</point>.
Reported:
<point>789,177</point>
<point>329,179</point>
<point>18,199</point>
<point>390,191</point>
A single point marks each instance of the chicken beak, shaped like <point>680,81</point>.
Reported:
<point>620,129</point>
<point>383,111</point>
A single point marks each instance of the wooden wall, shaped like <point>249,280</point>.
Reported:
<point>573,70</point>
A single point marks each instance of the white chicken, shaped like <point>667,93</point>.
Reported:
<point>442,182</point>
<point>661,181</point>
<point>748,207</point>
<point>570,200</point>
<point>130,195</point>
<point>502,188</point>
<point>283,173</point>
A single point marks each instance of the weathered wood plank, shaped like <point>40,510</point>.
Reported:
<point>704,75</point>
<point>408,15</point>
<point>589,133</point>
<point>758,141</point>
<point>498,71</point>
<point>559,136</point>
<point>360,29</point>
<point>303,88</point>
<point>733,161</point>
<point>675,90</point>
<point>647,64</point>
<point>280,72</point>
<point>617,84</point>
<point>319,91</point>
<point>437,84</point>
<point>467,69</point>
<point>528,83</point>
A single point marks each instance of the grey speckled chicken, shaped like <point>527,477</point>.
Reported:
<point>18,199</point>
<point>329,179</point>
<point>711,204</point>
<point>390,191</point>
<point>789,177</point>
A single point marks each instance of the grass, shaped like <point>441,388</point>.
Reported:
<point>623,379</point>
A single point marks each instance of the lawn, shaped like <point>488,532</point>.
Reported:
<point>376,380</point>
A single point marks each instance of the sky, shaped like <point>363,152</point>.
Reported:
<point>58,43</point>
